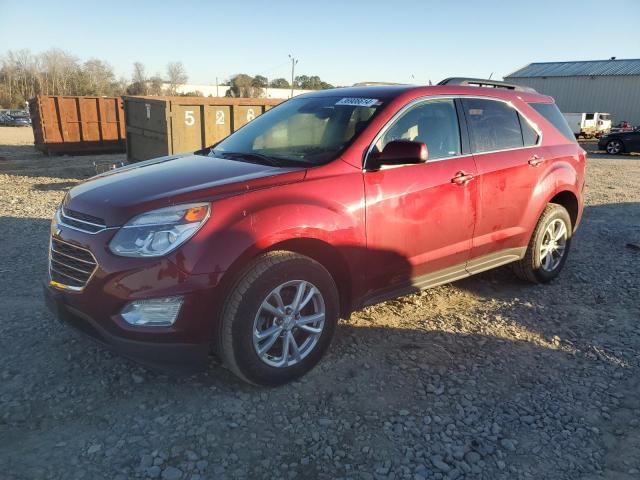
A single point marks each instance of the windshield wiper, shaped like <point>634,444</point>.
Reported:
<point>250,157</point>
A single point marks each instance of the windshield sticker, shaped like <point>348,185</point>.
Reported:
<point>358,102</point>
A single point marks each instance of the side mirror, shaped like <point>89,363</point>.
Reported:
<point>399,152</point>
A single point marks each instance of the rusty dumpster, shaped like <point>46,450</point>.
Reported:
<point>77,124</point>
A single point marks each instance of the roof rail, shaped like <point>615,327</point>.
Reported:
<point>479,82</point>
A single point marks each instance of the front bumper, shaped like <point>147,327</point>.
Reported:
<point>95,308</point>
<point>167,356</point>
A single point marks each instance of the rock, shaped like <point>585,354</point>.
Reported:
<point>440,464</point>
<point>171,473</point>
<point>154,471</point>
<point>146,461</point>
<point>472,457</point>
<point>191,455</point>
<point>528,419</point>
<point>508,444</point>
<point>95,448</point>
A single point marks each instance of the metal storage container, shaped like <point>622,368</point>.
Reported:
<point>75,124</point>
<point>158,126</point>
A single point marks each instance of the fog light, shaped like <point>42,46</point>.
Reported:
<point>152,312</point>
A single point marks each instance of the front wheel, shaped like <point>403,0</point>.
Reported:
<point>614,147</point>
<point>279,318</point>
<point>548,248</point>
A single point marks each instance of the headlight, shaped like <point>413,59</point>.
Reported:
<point>158,232</point>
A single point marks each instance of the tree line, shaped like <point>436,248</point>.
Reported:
<point>243,85</point>
<point>24,74</point>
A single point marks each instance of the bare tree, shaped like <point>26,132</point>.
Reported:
<point>139,84</point>
<point>176,76</point>
<point>54,72</point>
<point>99,77</point>
<point>139,73</point>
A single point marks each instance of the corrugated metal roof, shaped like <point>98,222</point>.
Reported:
<point>573,69</point>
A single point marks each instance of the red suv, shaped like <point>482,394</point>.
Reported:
<point>255,247</point>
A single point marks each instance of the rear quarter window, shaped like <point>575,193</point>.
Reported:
<point>552,114</point>
<point>529,135</point>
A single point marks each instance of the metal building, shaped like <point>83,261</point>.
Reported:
<point>611,86</point>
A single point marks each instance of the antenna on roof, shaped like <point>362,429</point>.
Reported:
<point>612,58</point>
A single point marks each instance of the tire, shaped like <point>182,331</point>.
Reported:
<point>535,266</point>
<point>614,147</point>
<point>271,277</point>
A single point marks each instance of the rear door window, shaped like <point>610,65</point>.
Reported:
<point>493,125</point>
<point>552,114</point>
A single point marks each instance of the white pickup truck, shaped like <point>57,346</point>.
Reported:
<point>589,125</point>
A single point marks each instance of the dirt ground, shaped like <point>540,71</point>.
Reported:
<point>488,378</point>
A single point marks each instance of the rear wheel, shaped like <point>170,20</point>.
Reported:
<point>614,147</point>
<point>548,248</point>
<point>279,319</point>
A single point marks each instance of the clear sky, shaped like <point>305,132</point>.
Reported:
<point>344,42</point>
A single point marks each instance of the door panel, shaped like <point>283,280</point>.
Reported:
<point>418,221</point>
<point>505,182</point>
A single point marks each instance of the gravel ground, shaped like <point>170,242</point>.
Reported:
<point>486,378</point>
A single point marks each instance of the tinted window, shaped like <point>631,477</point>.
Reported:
<point>493,125</point>
<point>552,114</point>
<point>433,123</point>
<point>529,135</point>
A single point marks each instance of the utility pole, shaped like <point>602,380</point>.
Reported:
<point>293,68</point>
<point>217,93</point>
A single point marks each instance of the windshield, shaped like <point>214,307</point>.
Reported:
<point>309,131</point>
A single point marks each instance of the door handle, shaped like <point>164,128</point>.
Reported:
<point>535,160</point>
<point>462,178</point>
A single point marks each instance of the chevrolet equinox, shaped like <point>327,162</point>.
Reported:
<point>253,248</point>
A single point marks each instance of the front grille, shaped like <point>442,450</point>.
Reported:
<point>70,265</point>
<point>82,221</point>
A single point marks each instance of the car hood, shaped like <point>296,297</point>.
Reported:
<point>118,195</point>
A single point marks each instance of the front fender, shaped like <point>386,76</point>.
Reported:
<point>327,209</point>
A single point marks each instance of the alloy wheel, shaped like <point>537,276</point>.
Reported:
<point>553,245</point>
<point>289,323</point>
<point>614,147</point>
